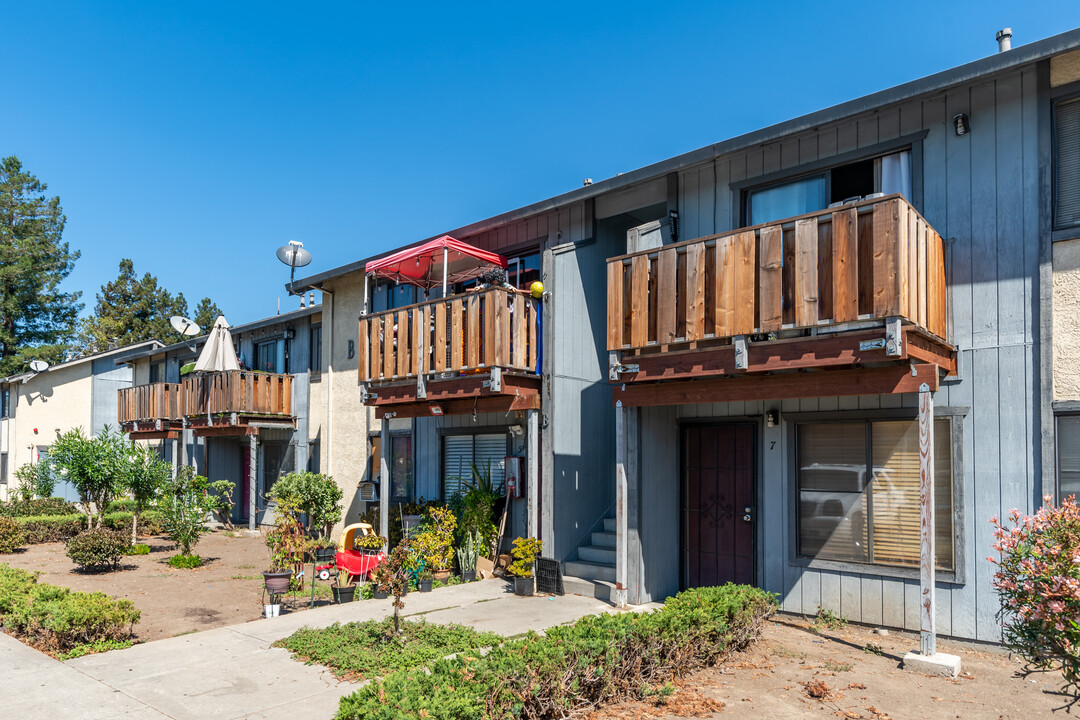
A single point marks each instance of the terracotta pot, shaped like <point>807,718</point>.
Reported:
<point>523,586</point>
<point>442,575</point>
<point>277,582</point>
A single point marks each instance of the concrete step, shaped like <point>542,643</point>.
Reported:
<point>590,570</point>
<point>609,525</point>
<point>599,589</point>
<point>600,555</point>
<point>603,539</point>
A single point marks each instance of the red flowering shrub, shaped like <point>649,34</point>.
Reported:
<point>1038,579</point>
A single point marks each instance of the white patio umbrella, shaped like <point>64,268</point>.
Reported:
<point>218,353</point>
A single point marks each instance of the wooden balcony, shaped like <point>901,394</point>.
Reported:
<point>153,409</point>
<point>441,355</point>
<point>224,403</point>
<point>860,287</point>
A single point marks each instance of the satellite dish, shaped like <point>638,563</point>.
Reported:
<point>39,366</point>
<point>187,328</point>
<point>294,255</point>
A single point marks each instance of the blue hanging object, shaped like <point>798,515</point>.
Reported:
<point>539,337</point>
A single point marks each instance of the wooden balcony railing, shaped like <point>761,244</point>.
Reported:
<point>156,401</point>
<point>238,391</point>
<point>491,328</point>
<point>876,259</point>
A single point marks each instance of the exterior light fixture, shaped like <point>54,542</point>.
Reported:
<point>962,124</point>
<point>772,417</point>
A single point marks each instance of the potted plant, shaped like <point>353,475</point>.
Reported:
<point>343,590</point>
<point>436,542</point>
<point>467,555</point>
<point>425,579</point>
<point>287,543</point>
<point>370,543</point>
<point>525,552</point>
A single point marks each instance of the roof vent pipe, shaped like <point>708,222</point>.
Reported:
<point>1004,39</point>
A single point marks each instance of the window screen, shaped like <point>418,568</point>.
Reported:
<point>1067,164</point>
<point>859,492</point>
<point>1068,452</point>
<point>784,201</point>
<point>460,452</point>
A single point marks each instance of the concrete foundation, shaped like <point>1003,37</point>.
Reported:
<point>942,664</point>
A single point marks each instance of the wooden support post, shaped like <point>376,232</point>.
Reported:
<point>926,517</point>
<point>622,452</point>
<point>532,470</point>
<point>384,481</point>
<point>253,473</point>
<point>421,365</point>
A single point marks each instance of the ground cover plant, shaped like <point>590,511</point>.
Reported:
<point>598,660</point>
<point>58,620</point>
<point>1038,579</point>
<point>369,649</point>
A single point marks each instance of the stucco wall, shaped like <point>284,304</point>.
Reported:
<point>1066,333</point>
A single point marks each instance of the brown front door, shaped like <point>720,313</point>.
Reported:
<point>717,497</point>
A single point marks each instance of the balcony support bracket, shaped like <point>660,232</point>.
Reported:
<point>421,387</point>
<point>894,337</point>
<point>366,394</point>
<point>495,383</point>
<point>742,356</point>
<point>616,367</point>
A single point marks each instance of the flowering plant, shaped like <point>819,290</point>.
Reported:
<point>1038,578</point>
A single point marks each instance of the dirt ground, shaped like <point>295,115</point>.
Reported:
<point>226,590</point>
<point>776,677</point>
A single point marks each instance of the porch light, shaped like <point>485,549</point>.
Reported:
<point>962,124</point>
<point>772,417</point>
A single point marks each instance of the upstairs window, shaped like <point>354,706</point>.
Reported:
<point>316,349</point>
<point>886,174</point>
<point>1067,164</point>
<point>271,356</point>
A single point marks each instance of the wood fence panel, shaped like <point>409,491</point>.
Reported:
<point>770,292</point>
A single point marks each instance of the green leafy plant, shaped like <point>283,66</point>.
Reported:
<point>51,528</point>
<point>183,505</point>
<point>873,648</point>
<point>468,552</point>
<point>435,542</point>
<point>56,619</point>
<point>370,542</point>
<point>392,576</point>
<point>37,506</point>
<point>93,466</point>
<point>525,552</point>
<point>372,648</point>
<point>36,480</point>
<point>223,501</point>
<point>314,495</point>
<point>97,548</point>
<point>185,561</point>
<point>287,540</point>
<point>476,507</point>
<point>829,620</point>
<point>11,535</point>
<point>598,660</point>
<point>137,550</point>
<point>142,474</point>
<point>98,646</point>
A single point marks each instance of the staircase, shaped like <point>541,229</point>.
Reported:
<point>593,572</point>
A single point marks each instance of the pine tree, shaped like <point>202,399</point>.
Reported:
<point>37,319</point>
<point>130,309</point>
<point>206,313</point>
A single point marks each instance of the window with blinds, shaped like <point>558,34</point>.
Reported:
<point>1068,455</point>
<point>859,492</point>
<point>487,451</point>
<point>1067,164</point>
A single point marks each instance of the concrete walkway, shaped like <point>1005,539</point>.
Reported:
<point>232,672</point>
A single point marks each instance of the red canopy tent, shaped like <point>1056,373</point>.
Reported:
<point>437,262</point>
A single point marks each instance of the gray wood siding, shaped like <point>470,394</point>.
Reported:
<point>981,191</point>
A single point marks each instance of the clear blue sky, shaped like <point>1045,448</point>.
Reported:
<point>197,137</point>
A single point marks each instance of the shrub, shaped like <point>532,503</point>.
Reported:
<point>312,494</point>
<point>121,505</point>
<point>35,480</point>
<point>93,465</point>
<point>56,619</point>
<point>11,535</point>
<point>149,522</point>
<point>600,659</point>
<point>97,548</point>
<point>137,550</point>
<point>526,550</point>
<point>185,561</point>
<point>183,506</point>
<point>51,528</point>
<point>37,507</point>
<point>1038,579</point>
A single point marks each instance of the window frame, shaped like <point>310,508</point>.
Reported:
<point>955,415</point>
<point>913,142</point>
<point>1059,232</point>
<point>452,432</point>
<point>5,402</point>
<point>315,364</point>
<point>1071,411</point>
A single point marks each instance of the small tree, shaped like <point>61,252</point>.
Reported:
<point>93,465</point>
<point>392,576</point>
<point>35,480</point>
<point>314,495</point>
<point>143,474</point>
<point>223,501</point>
<point>184,504</point>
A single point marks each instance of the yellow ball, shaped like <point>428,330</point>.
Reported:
<point>537,289</point>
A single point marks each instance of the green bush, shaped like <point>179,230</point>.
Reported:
<point>183,506</point>
<point>121,505</point>
<point>137,550</point>
<point>598,660</point>
<point>316,496</point>
<point>56,619</point>
<point>185,561</point>
<point>37,507</point>
<point>369,649</point>
<point>97,549</point>
<point>11,535</point>
<point>51,528</point>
